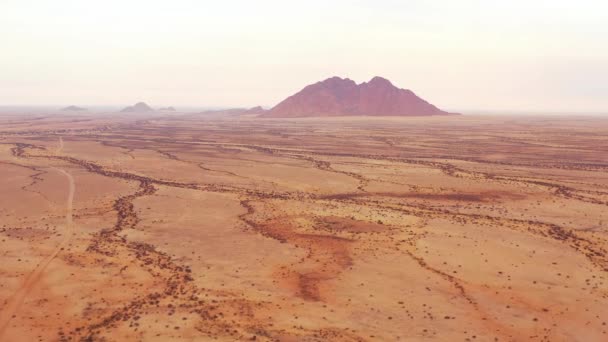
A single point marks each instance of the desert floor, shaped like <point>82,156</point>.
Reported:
<point>181,228</point>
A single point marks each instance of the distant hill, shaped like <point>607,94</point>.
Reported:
<point>255,110</point>
<point>167,109</point>
<point>139,107</point>
<point>343,97</point>
<point>235,111</point>
<point>73,109</point>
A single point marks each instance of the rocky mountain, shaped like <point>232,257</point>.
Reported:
<point>343,97</point>
<point>139,107</point>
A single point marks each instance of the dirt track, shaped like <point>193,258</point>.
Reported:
<point>16,300</point>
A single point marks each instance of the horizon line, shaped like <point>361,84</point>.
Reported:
<point>59,107</point>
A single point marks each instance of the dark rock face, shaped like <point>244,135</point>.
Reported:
<point>139,107</point>
<point>343,97</point>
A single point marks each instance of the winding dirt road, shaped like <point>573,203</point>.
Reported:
<point>16,300</point>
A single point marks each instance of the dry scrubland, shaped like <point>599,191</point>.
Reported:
<point>182,228</point>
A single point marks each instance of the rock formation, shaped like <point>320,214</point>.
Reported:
<point>343,97</point>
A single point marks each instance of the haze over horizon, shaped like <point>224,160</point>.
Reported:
<point>484,55</point>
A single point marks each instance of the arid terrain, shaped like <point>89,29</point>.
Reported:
<point>181,228</point>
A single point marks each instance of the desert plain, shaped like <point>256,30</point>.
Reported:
<point>187,228</point>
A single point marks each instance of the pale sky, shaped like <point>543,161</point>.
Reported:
<point>532,55</point>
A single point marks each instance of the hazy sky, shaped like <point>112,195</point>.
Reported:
<point>458,54</point>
